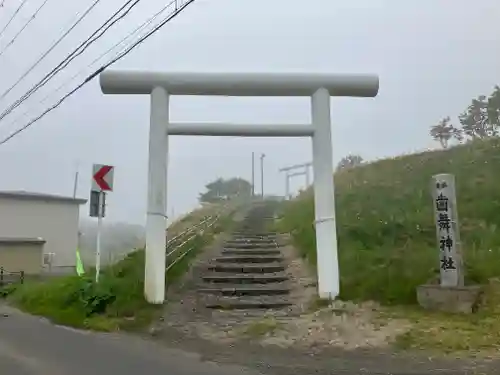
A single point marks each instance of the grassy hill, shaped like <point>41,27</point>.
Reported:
<point>387,240</point>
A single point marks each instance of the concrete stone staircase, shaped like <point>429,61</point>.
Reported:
<point>250,271</point>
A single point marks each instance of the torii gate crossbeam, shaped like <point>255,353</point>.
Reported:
<point>316,85</point>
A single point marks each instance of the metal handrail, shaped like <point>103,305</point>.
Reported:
<point>176,248</point>
<point>197,225</point>
<point>188,230</point>
<point>191,248</point>
<point>17,275</point>
<point>181,244</point>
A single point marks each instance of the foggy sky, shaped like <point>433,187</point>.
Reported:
<point>432,57</point>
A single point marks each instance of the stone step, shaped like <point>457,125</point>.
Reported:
<point>240,290</point>
<point>251,245</point>
<point>258,236</point>
<point>252,241</point>
<point>231,251</point>
<point>249,259</point>
<point>247,303</point>
<point>245,278</point>
<point>247,268</point>
<point>231,243</point>
<point>255,235</point>
<point>244,245</point>
<point>250,234</point>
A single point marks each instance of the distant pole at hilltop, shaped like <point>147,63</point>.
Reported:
<point>253,174</point>
<point>262,156</point>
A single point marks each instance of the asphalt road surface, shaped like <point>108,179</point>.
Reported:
<point>33,346</point>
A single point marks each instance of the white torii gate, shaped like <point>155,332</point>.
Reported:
<point>316,85</point>
<point>288,176</point>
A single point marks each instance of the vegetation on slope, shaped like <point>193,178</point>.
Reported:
<point>387,240</point>
<point>386,233</point>
<point>116,302</point>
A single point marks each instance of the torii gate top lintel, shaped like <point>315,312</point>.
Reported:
<point>304,165</point>
<point>238,84</point>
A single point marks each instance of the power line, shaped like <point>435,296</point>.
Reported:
<point>11,42</point>
<point>13,16</point>
<point>54,45</point>
<point>177,10</point>
<point>129,35</point>
<point>65,62</point>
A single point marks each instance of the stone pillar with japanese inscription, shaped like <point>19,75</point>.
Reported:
<point>448,232</point>
<point>450,295</point>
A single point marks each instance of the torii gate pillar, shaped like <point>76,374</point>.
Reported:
<point>315,85</point>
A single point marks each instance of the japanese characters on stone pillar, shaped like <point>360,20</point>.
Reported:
<point>448,234</point>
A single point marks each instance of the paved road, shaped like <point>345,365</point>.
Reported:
<point>32,346</point>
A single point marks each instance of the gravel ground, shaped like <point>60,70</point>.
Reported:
<point>274,360</point>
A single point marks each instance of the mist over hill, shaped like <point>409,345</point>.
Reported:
<point>117,240</point>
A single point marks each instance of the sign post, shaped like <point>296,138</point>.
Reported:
<point>447,230</point>
<point>102,181</point>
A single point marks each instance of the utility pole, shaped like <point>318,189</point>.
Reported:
<point>287,184</point>
<point>253,174</point>
<point>262,156</point>
<point>288,174</point>
<point>75,188</point>
<point>75,183</point>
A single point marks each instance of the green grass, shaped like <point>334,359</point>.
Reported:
<point>115,303</point>
<point>261,328</point>
<point>386,234</point>
<point>387,240</point>
<point>477,334</point>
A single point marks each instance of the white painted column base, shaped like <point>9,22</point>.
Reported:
<point>156,222</point>
<point>324,196</point>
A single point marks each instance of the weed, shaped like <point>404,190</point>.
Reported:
<point>261,327</point>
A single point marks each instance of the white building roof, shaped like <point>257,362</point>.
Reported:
<point>26,195</point>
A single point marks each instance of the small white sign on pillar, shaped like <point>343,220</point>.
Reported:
<point>447,229</point>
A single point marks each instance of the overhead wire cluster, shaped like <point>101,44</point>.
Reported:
<point>105,53</point>
<point>53,72</point>
<point>125,45</point>
<point>18,9</point>
<point>26,24</point>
